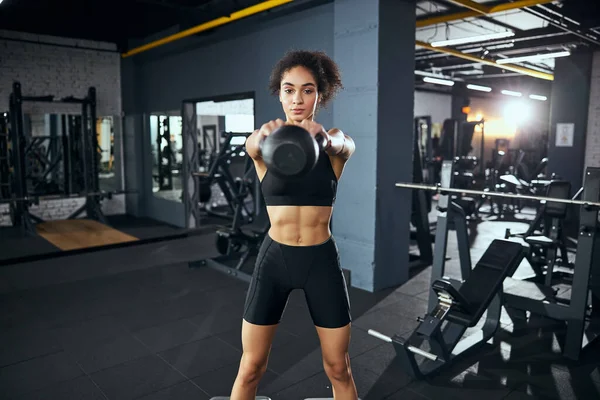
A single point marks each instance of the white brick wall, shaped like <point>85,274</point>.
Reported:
<point>45,69</point>
<point>592,145</point>
<point>61,208</point>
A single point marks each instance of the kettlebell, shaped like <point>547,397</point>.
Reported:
<point>290,151</point>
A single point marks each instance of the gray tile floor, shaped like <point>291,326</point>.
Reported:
<point>141,325</point>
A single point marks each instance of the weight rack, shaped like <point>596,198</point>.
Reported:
<point>19,209</point>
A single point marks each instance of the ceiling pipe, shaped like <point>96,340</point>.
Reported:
<point>558,25</point>
<point>509,67</point>
<point>471,5</point>
<point>476,9</point>
<point>246,12</point>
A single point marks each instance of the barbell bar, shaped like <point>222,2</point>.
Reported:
<point>37,199</point>
<point>441,190</point>
<point>411,348</point>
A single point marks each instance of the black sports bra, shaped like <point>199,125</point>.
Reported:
<point>317,188</point>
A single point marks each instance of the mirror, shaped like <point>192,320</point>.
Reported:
<point>108,178</point>
<point>221,148</point>
<point>167,154</point>
<point>54,154</point>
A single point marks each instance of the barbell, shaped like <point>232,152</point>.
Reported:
<point>36,199</point>
<point>442,190</point>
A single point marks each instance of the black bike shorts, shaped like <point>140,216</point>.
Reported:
<point>281,268</point>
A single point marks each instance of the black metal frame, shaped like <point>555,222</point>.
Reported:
<point>87,145</point>
<point>191,163</point>
<point>241,244</point>
<point>220,173</point>
<point>581,312</point>
<point>444,337</point>
<point>5,184</point>
<point>421,200</point>
<point>450,216</point>
<point>164,154</point>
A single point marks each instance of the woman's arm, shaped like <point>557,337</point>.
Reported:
<point>341,145</point>
<point>253,141</point>
<point>253,145</point>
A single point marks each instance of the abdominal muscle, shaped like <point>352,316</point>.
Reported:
<point>299,226</point>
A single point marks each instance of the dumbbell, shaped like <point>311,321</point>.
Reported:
<point>290,151</point>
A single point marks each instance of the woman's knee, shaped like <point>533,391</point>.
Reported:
<point>252,369</point>
<point>337,369</point>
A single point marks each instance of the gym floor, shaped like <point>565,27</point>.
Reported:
<point>137,323</point>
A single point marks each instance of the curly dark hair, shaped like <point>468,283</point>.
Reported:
<point>323,68</point>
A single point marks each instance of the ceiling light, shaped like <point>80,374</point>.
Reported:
<point>479,88</point>
<point>438,81</point>
<point>511,93</point>
<point>472,39</point>
<point>535,57</point>
<point>495,47</point>
<point>538,97</point>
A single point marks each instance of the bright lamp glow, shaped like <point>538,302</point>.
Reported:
<point>538,97</point>
<point>438,81</point>
<point>511,93</point>
<point>472,39</point>
<point>479,88</point>
<point>517,112</point>
<point>535,57</point>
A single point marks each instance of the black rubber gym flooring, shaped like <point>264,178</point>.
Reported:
<point>137,323</point>
<point>17,247</point>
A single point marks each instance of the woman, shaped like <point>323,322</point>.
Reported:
<point>299,252</point>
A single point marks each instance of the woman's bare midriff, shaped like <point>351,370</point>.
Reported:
<point>299,226</point>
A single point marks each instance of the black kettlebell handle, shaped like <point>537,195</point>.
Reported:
<point>320,139</point>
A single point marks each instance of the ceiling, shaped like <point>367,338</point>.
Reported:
<point>561,26</point>
<point>114,21</point>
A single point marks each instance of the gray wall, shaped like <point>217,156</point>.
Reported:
<point>570,101</point>
<point>237,59</point>
<point>437,105</point>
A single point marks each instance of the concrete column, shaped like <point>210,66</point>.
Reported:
<point>592,143</point>
<point>374,44</point>
<point>570,101</point>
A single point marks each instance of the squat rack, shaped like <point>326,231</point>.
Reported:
<point>19,209</point>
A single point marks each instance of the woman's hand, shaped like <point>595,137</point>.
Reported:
<point>269,127</point>
<point>315,129</point>
<point>254,140</point>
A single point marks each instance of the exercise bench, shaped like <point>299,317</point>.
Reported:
<point>461,306</point>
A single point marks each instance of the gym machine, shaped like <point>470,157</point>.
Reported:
<point>459,303</point>
<point>581,312</point>
<point>545,234</point>
<point>422,200</point>
<point>450,216</point>
<point>81,160</point>
<point>234,174</point>
<point>239,242</point>
<point>455,145</point>
<point>489,286</point>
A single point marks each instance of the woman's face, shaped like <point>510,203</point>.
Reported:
<point>298,94</point>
